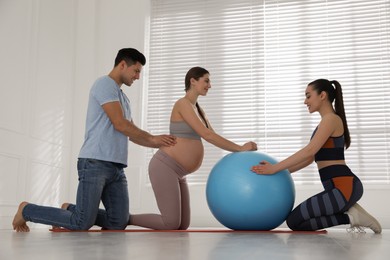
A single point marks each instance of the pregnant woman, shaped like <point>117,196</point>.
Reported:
<point>170,165</point>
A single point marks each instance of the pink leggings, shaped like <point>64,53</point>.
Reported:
<point>172,195</point>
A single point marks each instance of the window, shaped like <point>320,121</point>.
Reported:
<point>261,55</point>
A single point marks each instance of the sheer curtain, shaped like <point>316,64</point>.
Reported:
<point>261,55</point>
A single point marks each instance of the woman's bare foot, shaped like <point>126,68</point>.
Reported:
<point>65,207</point>
<point>19,223</point>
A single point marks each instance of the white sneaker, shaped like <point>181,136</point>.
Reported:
<point>360,218</point>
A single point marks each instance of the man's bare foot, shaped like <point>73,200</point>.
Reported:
<point>19,223</point>
<point>65,207</point>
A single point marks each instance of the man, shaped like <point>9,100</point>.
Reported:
<point>103,156</point>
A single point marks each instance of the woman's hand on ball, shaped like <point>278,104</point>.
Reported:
<point>263,167</point>
<point>249,146</point>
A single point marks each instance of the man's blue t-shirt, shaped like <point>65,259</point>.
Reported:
<point>102,141</point>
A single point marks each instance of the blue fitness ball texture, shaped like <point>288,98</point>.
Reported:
<point>243,200</point>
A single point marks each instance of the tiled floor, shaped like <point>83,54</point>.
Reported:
<point>335,244</point>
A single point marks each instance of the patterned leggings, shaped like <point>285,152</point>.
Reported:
<point>327,209</point>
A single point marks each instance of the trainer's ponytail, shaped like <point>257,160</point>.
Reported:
<point>340,111</point>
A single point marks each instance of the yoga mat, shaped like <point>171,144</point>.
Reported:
<point>194,231</point>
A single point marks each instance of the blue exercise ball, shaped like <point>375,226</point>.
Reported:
<point>243,200</point>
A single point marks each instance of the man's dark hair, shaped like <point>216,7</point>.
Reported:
<point>130,56</point>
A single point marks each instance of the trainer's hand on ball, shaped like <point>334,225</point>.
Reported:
<point>263,167</point>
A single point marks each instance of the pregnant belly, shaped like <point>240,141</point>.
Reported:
<point>187,152</point>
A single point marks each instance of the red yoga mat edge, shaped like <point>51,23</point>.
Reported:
<point>192,231</point>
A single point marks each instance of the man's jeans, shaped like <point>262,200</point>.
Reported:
<point>98,181</point>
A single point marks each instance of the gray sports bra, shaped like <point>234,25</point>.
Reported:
<point>182,129</point>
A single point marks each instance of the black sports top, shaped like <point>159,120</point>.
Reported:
<point>333,149</point>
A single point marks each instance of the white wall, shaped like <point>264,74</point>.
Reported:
<point>51,51</point>
<point>36,71</point>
